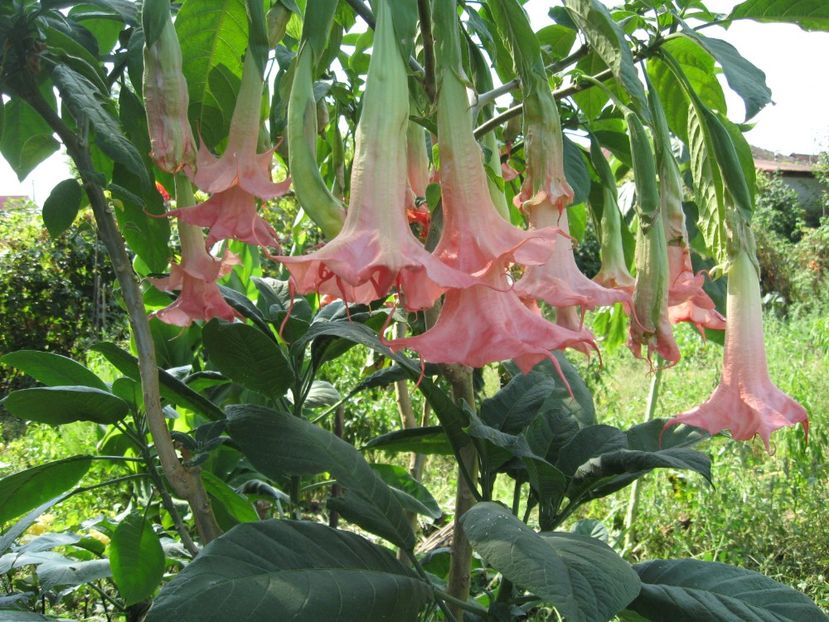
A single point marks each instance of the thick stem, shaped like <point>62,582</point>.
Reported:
<point>460,377</point>
<point>185,481</point>
<point>336,489</point>
<point>424,11</point>
<point>633,504</point>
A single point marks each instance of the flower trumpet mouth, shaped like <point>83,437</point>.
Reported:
<point>745,402</point>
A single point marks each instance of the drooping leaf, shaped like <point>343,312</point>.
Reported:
<point>65,404</point>
<point>25,490</point>
<point>26,139</point>
<point>172,389</point>
<point>61,207</point>
<point>78,93</point>
<point>52,369</point>
<point>513,407</point>
<point>321,393</point>
<point>8,537</point>
<point>236,505</point>
<point>687,590</point>
<point>808,14</point>
<point>279,444</point>
<point>420,499</point>
<point>429,440</point>
<point>136,558</point>
<point>303,570</point>
<point>71,572</point>
<point>576,171</point>
<point>248,356</point>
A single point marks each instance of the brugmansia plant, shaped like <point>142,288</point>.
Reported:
<point>416,238</point>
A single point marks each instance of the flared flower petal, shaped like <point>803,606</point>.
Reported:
<point>559,282</point>
<point>376,249</point>
<point>746,402</point>
<point>230,215</point>
<point>699,311</point>
<point>195,279</point>
<point>240,164</point>
<point>487,323</point>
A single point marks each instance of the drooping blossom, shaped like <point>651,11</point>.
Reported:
<point>649,322</point>
<point>376,250</point>
<point>489,322</point>
<point>195,280</point>
<point>230,215</point>
<point>166,100</point>
<point>240,164</point>
<point>417,167</point>
<point>559,282</point>
<point>745,402</point>
<point>614,272</point>
<point>572,318</point>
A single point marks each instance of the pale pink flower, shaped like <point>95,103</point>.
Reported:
<point>195,280</point>
<point>745,402</point>
<point>240,164</point>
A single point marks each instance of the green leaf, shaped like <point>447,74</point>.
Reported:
<point>236,505</point>
<point>172,389</point>
<point>743,77</point>
<point>14,615</point>
<point>321,393</point>
<point>71,572</point>
<point>212,36</point>
<point>78,93</point>
<point>52,369</point>
<point>136,558</point>
<point>139,211</point>
<point>248,356</point>
<point>65,404</point>
<point>591,101</point>
<point>607,39</point>
<point>15,531</point>
<point>513,407</point>
<point>429,440</point>
<point>688,590</point>
<point>521,555</point>
<point>155,14</point>
<point>61,207</point>
<point>412,494</point>
<point>302,570</point>
<point>699,69</point>
<point>25,490</point>
<point>575,170</point>
<point>808,14</point>
<point>316,26</point>
<point>27,139</point>
<point>278,444</point>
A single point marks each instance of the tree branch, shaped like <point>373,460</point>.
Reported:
<point>185,481</point>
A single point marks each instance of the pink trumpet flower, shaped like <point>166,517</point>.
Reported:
<point>195,279</point>
<point>746,402</point>
<point>559,282</point>
<point>166,100</point>
<point>230,215</point>
<point>240,164</point>
<point>488,322</point>
<point>376,250</point>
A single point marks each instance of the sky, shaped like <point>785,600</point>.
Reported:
<point>797,121</point>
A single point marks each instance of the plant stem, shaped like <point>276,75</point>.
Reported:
<point>368,17</point>
<point>460,377</point>
<point>462,605</point>
<point>185,481</point>
<point>424,11</point>
<point>633,504</point>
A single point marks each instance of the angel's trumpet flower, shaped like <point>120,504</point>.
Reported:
<point>745,402</point>
<point>559,282</point>
<point>195,279</point>
<point>376,250</point>
<point>488,322</point>
<point>165,99</point>
<point>614,271</point>
<point>240,164</point>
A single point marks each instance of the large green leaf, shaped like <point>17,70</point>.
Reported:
<point>248,356</point>
<point>172,389</point>
<point>61,207</point>
<point>136,558</point>
<point>608,40</point>
<point>65,404</point>
<point>9,536</point>
<point>26,138</point>
<point>516,405</point>
<point>25,490</point>
<point>236,505</point>
<point>413,495</point>
<point>746,79</point>
<point>71,572</point>
<point>52,369</point>
<point>279,444</point>
<point>296,570</point>
<point>78,93</point>
<point>808,14</point>
<point>526,559</point>
<point>575,170</point>
<point>689,590</point>
<point>428,440</point>
<point>213,36</point>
